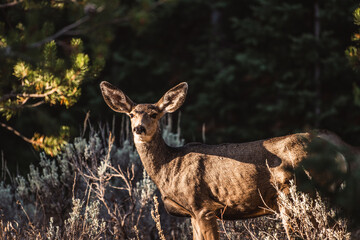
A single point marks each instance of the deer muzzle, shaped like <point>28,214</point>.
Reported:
<point>139,129</point>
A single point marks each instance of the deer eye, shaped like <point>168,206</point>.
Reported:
<point>131,115</point>
<point>154,115</point>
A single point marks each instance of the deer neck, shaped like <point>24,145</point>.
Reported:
<point>153,154</point>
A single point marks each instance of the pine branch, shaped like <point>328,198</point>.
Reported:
<point>26,95</point>
<point>17,133</point>
<point>60,33</point>
<point>10,4</point>
<point>35,104</point>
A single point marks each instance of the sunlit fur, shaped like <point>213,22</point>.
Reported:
<point>205,182</point>
<point>146,115</point>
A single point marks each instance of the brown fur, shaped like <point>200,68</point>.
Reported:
<point>201,181</point>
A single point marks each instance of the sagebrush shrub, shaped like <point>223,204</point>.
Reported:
<point>96,189</point>
<point>93,189</point>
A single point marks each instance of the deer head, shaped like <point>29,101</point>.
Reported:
<point>144,117</point>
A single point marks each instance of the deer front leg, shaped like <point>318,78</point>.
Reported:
<point>205,226</point>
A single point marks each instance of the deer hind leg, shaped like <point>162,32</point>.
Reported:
<point>205,226</point>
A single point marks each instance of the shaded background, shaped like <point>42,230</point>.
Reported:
<point>256,69</point>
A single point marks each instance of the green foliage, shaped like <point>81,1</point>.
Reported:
<point>41,74</point>
<point>250,62</point>
<point>353,55</point>
<point>50,51</point>
<point>250,66</point>
<point>51,144</point>
<point>49,81</point>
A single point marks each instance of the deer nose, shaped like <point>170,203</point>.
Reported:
<point>139,129</point>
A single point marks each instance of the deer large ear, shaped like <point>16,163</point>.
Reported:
<point>115,98</point>
<point>173,99</point>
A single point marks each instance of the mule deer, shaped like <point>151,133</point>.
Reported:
<point>205,181</point>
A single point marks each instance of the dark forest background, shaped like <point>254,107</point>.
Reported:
<point>256,69</point>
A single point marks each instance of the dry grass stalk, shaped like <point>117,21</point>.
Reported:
<point>156,216</point>
<point>310,218</point>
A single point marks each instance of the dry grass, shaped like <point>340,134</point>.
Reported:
<point>310,218</point>
<point>306,218</point>
<point>96,190</point>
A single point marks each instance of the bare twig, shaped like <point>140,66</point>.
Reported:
<point>61,32</point>
<point>99,181</point>
<point>17,133</point>
<point>35,104</point>
<point>252,235</point>
<point>85,123</point>
<point>10,4</point>
<point>28,95</point>
<point>22,208</point>
<point>73,188</point>
<point>222,222</point>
